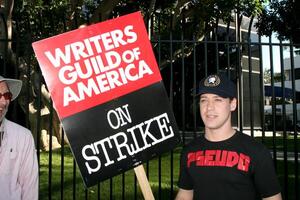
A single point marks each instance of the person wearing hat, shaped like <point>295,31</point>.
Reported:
<point>224,164</point>
<point>18,159</point>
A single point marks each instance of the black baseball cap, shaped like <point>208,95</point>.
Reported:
<point>218,84</point>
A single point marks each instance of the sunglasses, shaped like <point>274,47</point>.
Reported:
<point>6,95</point>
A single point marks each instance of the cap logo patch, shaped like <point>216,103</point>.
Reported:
<point>212,81</point>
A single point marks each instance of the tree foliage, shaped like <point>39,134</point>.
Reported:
<point>41,19</point>
<point>185,19</point>
<point>282,17</point>
<point>198,17</point>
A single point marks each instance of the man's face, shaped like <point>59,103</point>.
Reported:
<point>216,111</point>
<point>4,103</point>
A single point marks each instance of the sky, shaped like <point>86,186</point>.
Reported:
<point>275,52</point>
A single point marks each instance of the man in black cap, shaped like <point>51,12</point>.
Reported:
<point>18,159</point>
<point>224,164</point>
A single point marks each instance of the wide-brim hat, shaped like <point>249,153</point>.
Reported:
<point>218,84</point>
<point>14,86</point>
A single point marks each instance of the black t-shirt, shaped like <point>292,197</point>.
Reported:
<point>238,168</point>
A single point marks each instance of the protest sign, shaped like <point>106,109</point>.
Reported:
<point>107,90</point>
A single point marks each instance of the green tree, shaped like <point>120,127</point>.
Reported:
<point>268,77</point>
<point>35,20</point>
<point>282,17</point>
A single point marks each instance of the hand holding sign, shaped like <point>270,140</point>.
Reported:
<point>108,93</point>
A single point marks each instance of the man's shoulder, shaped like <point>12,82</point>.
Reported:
<point>16,128</point>
<point>251,142</point>
<point>247,138</point>
<point>194,143</point>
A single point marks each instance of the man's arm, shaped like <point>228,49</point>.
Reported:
<point>184,194</point>
<point>275,197</point>
<point>28,176</point>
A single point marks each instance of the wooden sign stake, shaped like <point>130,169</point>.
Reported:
<point>144,183</point>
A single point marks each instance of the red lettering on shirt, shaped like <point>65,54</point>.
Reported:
<point>232,159</point>
<point>210,157</point>
<point>199,158</point>
<point>244,162</point>
<point>219,158</point>
<point>191,158</point>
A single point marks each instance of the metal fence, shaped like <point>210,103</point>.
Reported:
<point>267,73</point>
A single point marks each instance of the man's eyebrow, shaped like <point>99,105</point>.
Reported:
<point>215,97</point>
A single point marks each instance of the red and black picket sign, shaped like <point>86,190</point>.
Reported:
<point>107,90</point>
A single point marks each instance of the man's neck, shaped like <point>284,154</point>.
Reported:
<point>217,135</point>
<point>2,122</point>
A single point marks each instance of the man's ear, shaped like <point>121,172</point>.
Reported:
<point>233,104</point>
